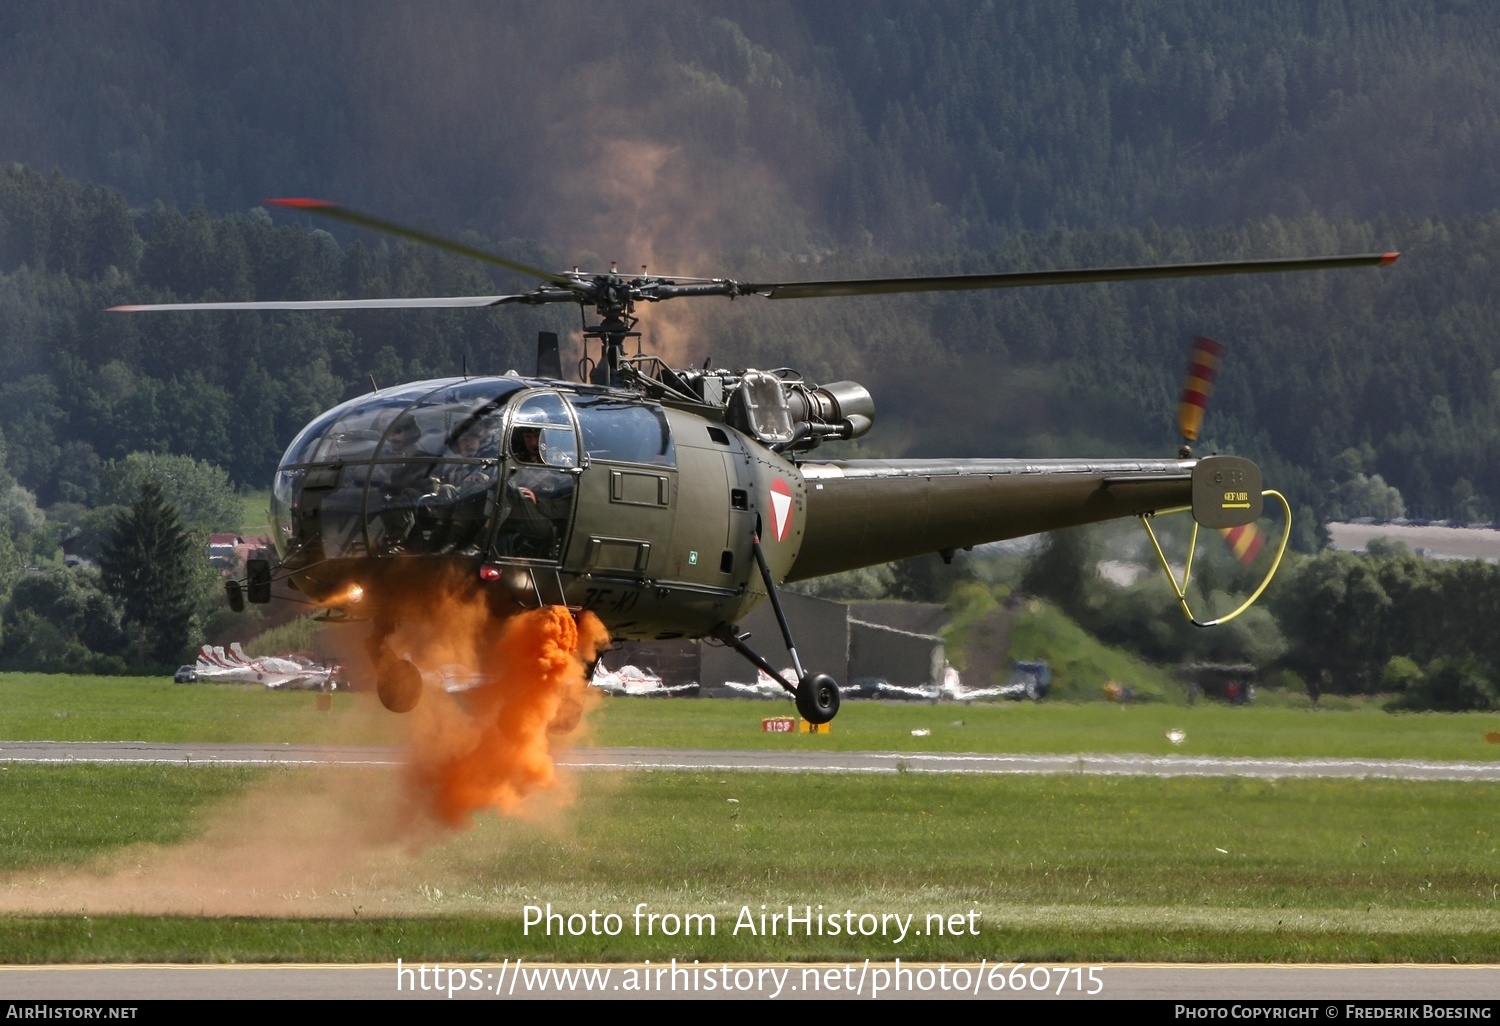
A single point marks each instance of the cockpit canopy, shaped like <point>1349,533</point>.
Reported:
<point>466,467</point>
<point>440,410</point>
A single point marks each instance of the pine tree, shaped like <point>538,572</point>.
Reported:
<point>147,567</point>
<point>1061,572</point>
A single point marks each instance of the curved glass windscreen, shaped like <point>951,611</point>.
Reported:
<point>414,469</point>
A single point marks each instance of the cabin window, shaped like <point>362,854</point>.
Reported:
<point>540,482</point>
<point>625,431</point>
<point>542,433</point>
<point>357,431</point>
<point>362,428</point>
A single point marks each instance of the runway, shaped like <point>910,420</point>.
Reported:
<point>687,759</point>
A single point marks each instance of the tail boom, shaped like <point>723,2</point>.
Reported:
<point>866,512</point>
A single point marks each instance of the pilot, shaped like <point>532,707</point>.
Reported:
<point>526,444</point>
<point>539,500</point>
<point>403,437</point>
<point>469,442</point>
<point>526,447</point>
<point>466,478</point>
<point>397,488</point>
<point>462,503</point>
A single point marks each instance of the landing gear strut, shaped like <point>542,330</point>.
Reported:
<point>817,694</point>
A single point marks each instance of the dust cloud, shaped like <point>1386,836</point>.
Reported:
<point>624,151</point>
<point>345,841</point>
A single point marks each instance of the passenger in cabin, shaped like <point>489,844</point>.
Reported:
<point>461,479</point>
<point>452,520</point>
<point>538,500</point>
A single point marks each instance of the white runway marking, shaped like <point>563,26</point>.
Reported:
<point>141,752</point>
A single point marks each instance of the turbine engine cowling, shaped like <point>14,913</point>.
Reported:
<point>846,405</point>
<point>792,415</point>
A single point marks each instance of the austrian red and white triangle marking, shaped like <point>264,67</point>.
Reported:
<point>781,508</point>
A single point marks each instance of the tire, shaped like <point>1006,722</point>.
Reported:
<point>818,698</point>
<point>400,687</point>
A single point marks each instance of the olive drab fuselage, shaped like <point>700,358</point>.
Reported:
<point>643,512</point>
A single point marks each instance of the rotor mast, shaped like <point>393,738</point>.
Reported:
<point>614,304</point>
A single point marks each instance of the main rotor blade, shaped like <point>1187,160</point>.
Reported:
<point>323,208</point>
<point>439,302</point>
<point>1015,279</point>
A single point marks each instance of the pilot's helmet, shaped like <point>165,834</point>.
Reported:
<point>518,442</point>
<point>485,441</point>
<point>404,432</point>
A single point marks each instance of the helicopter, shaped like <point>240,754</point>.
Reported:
<point>671,501</point>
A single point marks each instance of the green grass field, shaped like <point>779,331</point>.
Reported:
<point>60,708</point>
<point>117,863</point>
<point>56,707</point>
<point>255,518</point>
<point>1066,868</point>
<point>1211,728</point>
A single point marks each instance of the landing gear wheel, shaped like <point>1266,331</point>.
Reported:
<point>818,698</point>
<point>400,687</point>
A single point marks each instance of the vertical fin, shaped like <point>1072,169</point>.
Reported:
<point>548,358</point>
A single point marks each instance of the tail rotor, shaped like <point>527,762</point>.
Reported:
<point>1205,358</point>
<point>1227,492</point>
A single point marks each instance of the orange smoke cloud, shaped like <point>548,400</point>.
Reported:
<point>493,745</point>
<point>519,680</point>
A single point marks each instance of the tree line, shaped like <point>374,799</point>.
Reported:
<point>759,140</point>
<point>1382,622</point>
<point>1332,378</point>
<point>137,592</point>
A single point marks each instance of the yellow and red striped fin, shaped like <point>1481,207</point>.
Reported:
<point>1204,360</point>
<point>1245,542</point>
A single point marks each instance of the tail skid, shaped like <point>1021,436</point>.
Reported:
<point>1179,588</point>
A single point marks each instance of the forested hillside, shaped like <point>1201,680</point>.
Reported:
<point>901,125</point>
<point>758,140</point>
<point>788,139</point>
<point>1332,378</point>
